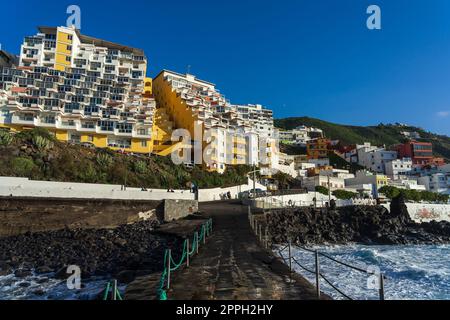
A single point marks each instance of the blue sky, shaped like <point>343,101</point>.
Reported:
<point>313,58</point>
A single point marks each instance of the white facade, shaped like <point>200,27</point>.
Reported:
<point>320,162</point>
<point>331,183</point>
<point>409,184</point>
<point>398,167</point>
<point>364,177</point>
<point>374,158</point>
<point>438,182</point>
<point>338,173</point>
<point>300,135</point>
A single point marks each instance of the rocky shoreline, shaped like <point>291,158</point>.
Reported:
<point>121,253</point>
<point>355,224</point>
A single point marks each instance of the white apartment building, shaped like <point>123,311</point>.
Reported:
<point>398,167</point>
<point>331,183</point>
<point>81,88</point>
<point>243,134</point>
<point>437,182</point>
<point>300,135</point>
<point>320,162</point>
<point>364,177</point>
<point>338,173</point>
<point>374,158</point>
<point>405,183</point>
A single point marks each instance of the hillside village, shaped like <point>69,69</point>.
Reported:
<point>365,169</point>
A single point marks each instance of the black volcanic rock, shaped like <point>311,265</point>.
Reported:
<point>358,224</point>
<point>103,252</point>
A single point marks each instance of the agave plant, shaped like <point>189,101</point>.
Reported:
<point>140,166</point>
<point>104,160</point>
<point>6,138</point>
<point>42,143</point>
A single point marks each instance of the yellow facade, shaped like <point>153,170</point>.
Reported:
<point>176,108</point>
<point>63,50</point>
<point>148,87</point>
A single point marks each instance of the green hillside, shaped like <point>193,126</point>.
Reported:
<point>37,155</point>
<point>382,134</point>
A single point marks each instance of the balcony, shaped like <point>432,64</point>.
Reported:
<point>23,119</point>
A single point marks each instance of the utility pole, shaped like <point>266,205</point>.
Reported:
<point>254,182</point>
<point>329,191</point>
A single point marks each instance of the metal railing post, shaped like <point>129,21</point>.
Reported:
<point>317,274</point>
<point>204,235</point>
<point>169,253</point>
<point>196,242</point>
<point>290,257</point>
<point>187,254</point>
<point>115,290</point>
<point>266,236</point>
<point>381,286</point>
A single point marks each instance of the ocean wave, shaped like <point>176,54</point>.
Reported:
<point>412,271</point>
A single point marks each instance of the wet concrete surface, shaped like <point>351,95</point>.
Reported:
<point>232,265</point>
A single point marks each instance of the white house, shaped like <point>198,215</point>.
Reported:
<point>374,158</point>
<point>437,182</point>
<point>398,167</point>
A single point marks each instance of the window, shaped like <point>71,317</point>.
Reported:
<point>124,127</point>
<point>88,125</point>
<point>69,37</point>
<point>106,125</point>
<point>90,138</point>
<point>144,143</point>
<point>68,59</point>
<point>69,48</point>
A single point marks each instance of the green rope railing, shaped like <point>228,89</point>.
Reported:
<point>115,293</point>
<point>205,229</point>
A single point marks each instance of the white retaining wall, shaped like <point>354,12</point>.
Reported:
<point>425,212</point>
<point>300,200</point>
<point>23,187</point>
<point>215,193</point>
<point>419,212</point>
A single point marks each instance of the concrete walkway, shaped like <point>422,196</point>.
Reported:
<point>233,266</point>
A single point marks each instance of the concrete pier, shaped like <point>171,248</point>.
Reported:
<point>230,266</point>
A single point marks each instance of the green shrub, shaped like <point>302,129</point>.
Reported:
<point>322,190</point>
<point>413,195</point>
<point>344,194</point>
<point>140,166</point>
<point>23,167</point>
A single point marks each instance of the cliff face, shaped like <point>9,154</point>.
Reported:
<point>358,224</point>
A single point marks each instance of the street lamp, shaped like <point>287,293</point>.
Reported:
<point>254,180</point>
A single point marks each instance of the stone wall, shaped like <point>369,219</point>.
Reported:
<point>20,215</point>
<point>177,209</point>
